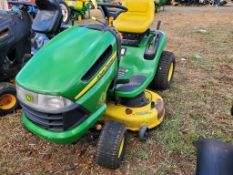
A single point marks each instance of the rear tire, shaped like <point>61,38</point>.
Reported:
<point>165,71</point>
<point>111,145</point>
<point>8,99</point>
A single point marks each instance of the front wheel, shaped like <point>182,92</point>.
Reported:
<point>8,100</point>
<point>165,71</point>
<point>65,12</point>
<point>111,145</point>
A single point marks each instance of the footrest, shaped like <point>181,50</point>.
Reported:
<point>129,42</point>
<point>134,82</point>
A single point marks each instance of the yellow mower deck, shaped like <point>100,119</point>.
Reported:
<point>150,115</point>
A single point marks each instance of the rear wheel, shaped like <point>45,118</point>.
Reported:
<point>165,71</point>
<point>111,145</point>
<point>8,100</point>
<point>65,12</point>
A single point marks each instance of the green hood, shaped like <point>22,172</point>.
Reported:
<point>58,67</point>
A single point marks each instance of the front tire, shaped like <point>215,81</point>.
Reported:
<point>165,71</point>
<point>65,12</point>
<point>8,100</point>
<point>111,145</point>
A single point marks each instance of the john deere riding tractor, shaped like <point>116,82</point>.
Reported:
<point>99,73</point>
<point>74,9</point>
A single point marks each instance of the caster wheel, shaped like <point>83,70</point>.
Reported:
<point>143,133</point>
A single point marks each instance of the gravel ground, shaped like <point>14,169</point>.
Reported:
<point>197,9</point>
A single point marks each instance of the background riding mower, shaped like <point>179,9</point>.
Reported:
<point>15,49</point>
<point>84,74</point>
<point>159,4</point>
<point>15,42</point>
<point>74,9</point>
<point>30,5</point>
<point>47,23</point>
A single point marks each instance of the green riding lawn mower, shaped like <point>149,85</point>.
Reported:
<point>97,75</point>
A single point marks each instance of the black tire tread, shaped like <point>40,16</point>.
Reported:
<point>108,145</point>
<point>8,88</point>
<point>68,10</point>
<point>160,80</point>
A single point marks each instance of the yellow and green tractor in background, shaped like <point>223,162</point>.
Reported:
<point>74,9</point>
<point>159,4</point>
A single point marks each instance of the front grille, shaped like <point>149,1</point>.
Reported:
<point>56,122</point>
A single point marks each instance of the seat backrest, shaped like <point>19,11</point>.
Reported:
<point>140,6</point>
<point>140,15</point>
<point>48,18</point>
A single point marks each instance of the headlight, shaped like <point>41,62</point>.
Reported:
<point>42,102</point>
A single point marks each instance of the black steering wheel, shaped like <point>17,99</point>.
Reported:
<point>112,10</point>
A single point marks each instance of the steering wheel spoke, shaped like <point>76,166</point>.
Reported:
<point>112,10</point>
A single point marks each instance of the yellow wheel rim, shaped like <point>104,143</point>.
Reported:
<point>170,72</point>
<point>121,147</point>
<point>7,101</point>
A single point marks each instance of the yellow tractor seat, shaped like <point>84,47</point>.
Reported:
<point>138,18</point>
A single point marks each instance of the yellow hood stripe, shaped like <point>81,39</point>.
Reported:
<point>98,76</point>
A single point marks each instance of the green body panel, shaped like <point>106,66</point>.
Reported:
<point>97,95</point>
<point>94,100</point>
<point>67,61</point>
<point>57,69</point>
<point>69,136</point>
<point>135,64</point>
